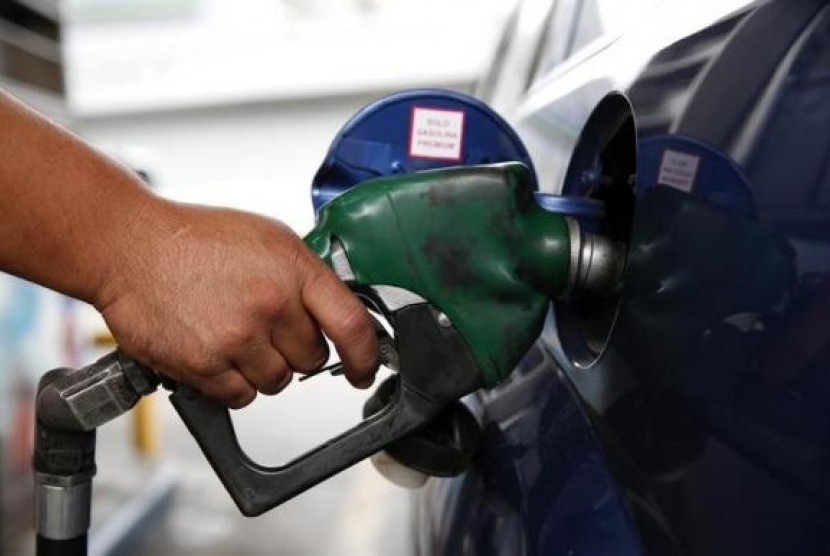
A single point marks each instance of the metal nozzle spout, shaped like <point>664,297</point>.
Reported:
<point>597,264</point>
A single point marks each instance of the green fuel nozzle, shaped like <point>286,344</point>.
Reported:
<point>470,240</point>
<point>473,245</point>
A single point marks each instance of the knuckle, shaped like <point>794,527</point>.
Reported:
<point>263,297</point>
<point>277,383</point>
<point>318,279</point>
<point>235,337</point>
<point>314,276</point>
<point>355,326</point>
<point>358,338</point>
<point>274,380</point>
<point>314,357</point>
<point>311,355</point>
<point>238,400</point>
<point>198,364</point>
<point>355,323</point>
<point>319,357</point>
<point>236,391</point>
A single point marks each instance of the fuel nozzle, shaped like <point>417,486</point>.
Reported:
<point>471,241</point>
<point>474,244</point>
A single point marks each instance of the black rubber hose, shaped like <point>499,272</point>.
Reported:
<point>69,547</point>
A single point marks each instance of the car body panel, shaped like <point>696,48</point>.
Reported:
<point>530,496</point>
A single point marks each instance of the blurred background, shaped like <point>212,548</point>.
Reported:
<point>226,103</point>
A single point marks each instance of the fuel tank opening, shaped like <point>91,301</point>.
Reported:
<point>601,172</point>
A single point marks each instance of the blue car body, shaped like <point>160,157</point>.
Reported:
<point>690,413</point>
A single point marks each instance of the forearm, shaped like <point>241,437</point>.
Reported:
<point>228,302</point>
<point>66,211</point>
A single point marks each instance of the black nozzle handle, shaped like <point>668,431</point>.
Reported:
<point>256,488</point>
<point>436,369</point>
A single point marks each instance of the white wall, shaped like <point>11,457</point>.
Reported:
<point>256,157</point>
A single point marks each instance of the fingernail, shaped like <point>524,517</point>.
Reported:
<point>286,380</point>
<point>242,403</point>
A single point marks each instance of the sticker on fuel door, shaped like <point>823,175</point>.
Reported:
<point>678,170</point>
<point>436,133</point>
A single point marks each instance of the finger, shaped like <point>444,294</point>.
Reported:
<point>229,388</point>
<point>346,321</point>
<point>263,367</point>
<point>299,340</point>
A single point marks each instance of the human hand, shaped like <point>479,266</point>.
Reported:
<point>230,303</point>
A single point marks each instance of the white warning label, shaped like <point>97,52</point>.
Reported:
<point>678,170</point>
<point>436,133</point>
